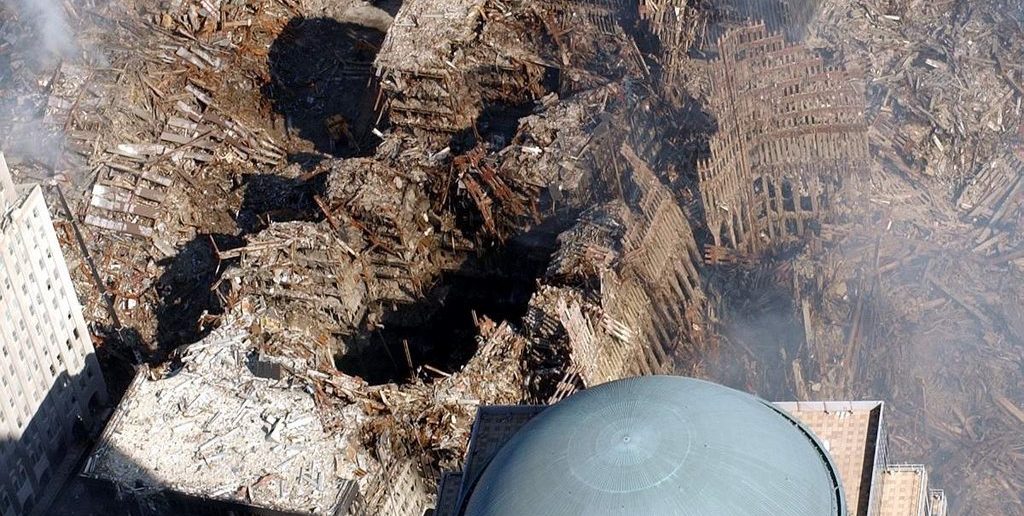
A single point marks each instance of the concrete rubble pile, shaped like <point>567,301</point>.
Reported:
<point>130,120</point>
<point>484,55</point>
<point>306,273</point>
<point>498,202</point>
<point>231,425</point>
<point>272,424</point>
<point>910,286</point>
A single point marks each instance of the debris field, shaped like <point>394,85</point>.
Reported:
<point>377,216</point>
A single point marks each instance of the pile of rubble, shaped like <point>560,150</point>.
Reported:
<point>658,160</point>
<point>447,65</point>
<point>255,414</point>
<point>622,295</point>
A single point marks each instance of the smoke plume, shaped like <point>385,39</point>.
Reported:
<point>52,31</point>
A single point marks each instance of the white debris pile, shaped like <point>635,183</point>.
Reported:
<point>216,429</point>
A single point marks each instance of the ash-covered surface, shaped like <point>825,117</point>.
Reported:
<point>547,166</point>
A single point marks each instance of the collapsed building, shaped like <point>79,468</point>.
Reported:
<point>934,143</point>
<point>622,295</point>
<point>373,244</point>
<point>255,419</point>
<point>791,131</point>
<point>445,65</point>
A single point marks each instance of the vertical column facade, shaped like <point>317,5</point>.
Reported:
<point>50,381</point>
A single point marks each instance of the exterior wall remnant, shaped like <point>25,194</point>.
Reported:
<point>791,129</point>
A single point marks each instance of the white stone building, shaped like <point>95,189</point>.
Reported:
<point>50,383</point>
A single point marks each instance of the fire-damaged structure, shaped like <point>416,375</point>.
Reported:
<point>555,167</point>
<point>445,64</point>
<point>791,129</point>
<point>622,295</point>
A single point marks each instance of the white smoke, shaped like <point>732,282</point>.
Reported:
<point>41,38</point>
<point>53,33</point>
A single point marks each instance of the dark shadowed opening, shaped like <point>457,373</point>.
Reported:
<point>189,289</point>
<point>321,83</point>
<point>439,330</point>
<point>272,198</point>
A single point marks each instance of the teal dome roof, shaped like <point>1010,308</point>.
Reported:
<point>656,446</point>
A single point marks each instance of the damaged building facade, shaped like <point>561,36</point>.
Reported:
<point>622,295</point>
<point>791,131</point>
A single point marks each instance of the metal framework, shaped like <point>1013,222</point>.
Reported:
<point>791,128</point>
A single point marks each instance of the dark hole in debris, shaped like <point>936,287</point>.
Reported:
<point>389,6</point>
<point>188,289</point>
<point>274,198</point>
<point>439,329</point>
<point>320,83</point>
<point>264,368</point>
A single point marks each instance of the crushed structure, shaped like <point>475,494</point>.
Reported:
<point>256,418</point>
<point>445,65</point>
<point>791,131</point>
<point>622,295</point>
<point>246,433</point>
<point>501,127</point>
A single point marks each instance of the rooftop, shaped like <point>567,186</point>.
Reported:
<point>903,491</point>
<point>850,431</point>
<point>659,445</point>
<point>12,195</point>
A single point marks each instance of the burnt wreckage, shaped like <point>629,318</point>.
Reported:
<point>529,144</point>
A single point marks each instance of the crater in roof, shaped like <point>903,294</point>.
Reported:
<point>660,445</point>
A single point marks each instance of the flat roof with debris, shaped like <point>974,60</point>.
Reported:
<point>216,430</point>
